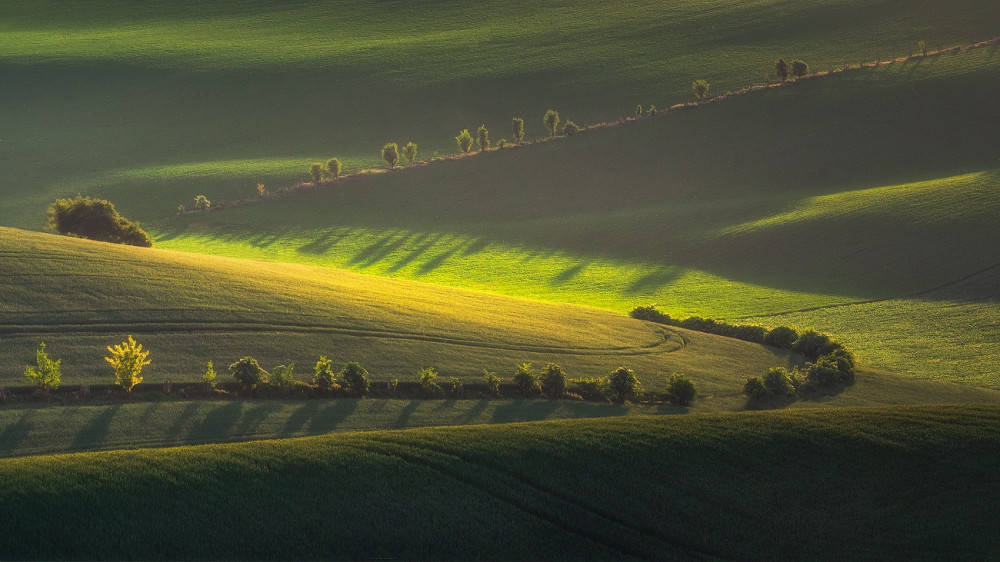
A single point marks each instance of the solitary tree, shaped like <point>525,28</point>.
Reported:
<point>410,152</point>
<point>781,69</point>
<point>390,153</point>
<point>316,172</point>
<point>201,202</point>
<point>681,390</point>
<point>638,111</point>
<point>570,128</point>
<point>525,380</point>
<point>483,138</point>
<point>464,140</point>
<point>799,68</point>
<point>127,360</point>
<point>700,88</point>
<point>47,375</point>
<point>333,167</point>
<point>551,121</point>
<point>261,191</point>
<point>209,377</point>
<point>517,128</point>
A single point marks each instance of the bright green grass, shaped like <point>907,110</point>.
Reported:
<point>872,184</point>
<point>81,296</point>
<point>901,483</point>
<point>38,430</point>
<point>97,92</point>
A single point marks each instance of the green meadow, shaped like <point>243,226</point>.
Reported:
<point>863,188</point>
<point>913,483</point>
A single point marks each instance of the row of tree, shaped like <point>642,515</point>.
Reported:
<point>621,385</point>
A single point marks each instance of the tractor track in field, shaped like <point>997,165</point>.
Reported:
<point>915,294</point>
<point>665,341</point>
<point>551,507</point>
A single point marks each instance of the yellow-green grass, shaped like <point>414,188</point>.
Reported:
<point>873,184</point>
<point>39,430</point>
<point>908,483</point>
<point>80,296</point>
<point>98,93</point>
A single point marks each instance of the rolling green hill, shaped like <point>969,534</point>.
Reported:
<point>912,483</point>
<point>873,187</point>
<point>80,296</point>
<point>150,105</point>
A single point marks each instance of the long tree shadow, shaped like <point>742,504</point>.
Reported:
<point>298,419</point>
<point>218,423</point>
<point>14,434</point>
<point>424,242</point>
<point>94,434</point>
<point>404,415</point>
<point>568,274</point>
<point>654,280</point>
<point>524,410</point>
<point>379,250</point>
<point>175,428</point>
<point>323,243</point>
<point>330,417</point>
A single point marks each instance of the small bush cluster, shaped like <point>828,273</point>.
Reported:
<point>827,373</point>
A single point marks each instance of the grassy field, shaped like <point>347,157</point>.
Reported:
<point>80,296</point>
<point>865,186</point>
<point>41,430</point>
<point>151,105</point>
<point>736,486</point>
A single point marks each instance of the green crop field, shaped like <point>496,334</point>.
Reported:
<point>913,483</point>
<point>80,296</point>
<point>863,186</point>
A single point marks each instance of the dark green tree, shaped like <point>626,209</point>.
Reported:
<point>410,152</point>
<point>700,88</point>
<point>483,138</point>
<point>464,140</point>
<point>781,69</point>
<point>622,385</point>
<point>95,219</point>
<point>551,120</point>
<point>553,381</point>
<point>681,391</point>
<point>799,68</point>
<point>333,167</point>
<point>355,377</point>
<point>390,153</point>
<point>316,172</point>
<point>517,129</point>
<point>248,373</point>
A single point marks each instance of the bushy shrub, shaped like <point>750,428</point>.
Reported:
<point>95,219</point>
<point>428,382</point>
<point>681,391</point>
<point>651,314</point>
<point>779,382</point>
<point>551,120</point>
<point>799,68</point>
<point>456,388</point>
<point>127,359</point>
<point>781,69</point>
<point>464,140</point>
<point>652,110</point>
<point>553,381</point>
<point>209,376</point>
<point>47,375</point>
<point>700,88</point>
<point>813,344</point>
<point>623,386</point>
<point>570,128</point>
<point>201,202</point>
<point>410,152</point>
<point>483,138</point>
<point>261,191</point>
<point>333,167</point>
<point>781,337</point>
<point>824,373</point>
<point>323,376</point>
<point>355,378</point>
<point>248,373</point>
<point>282,376</point>
<point>517,129</point>
<point>525,380</point>
<point>755,390</point>
<point>316,172</point>
<point>492,382</point>
<point>755,334</point>
<point>594,388</point>
<point>844,359</point>
<point>390,153</point>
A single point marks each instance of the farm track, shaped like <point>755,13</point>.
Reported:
<point>665,341</point>
<point>547,505</point>
<point>922,293</point>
